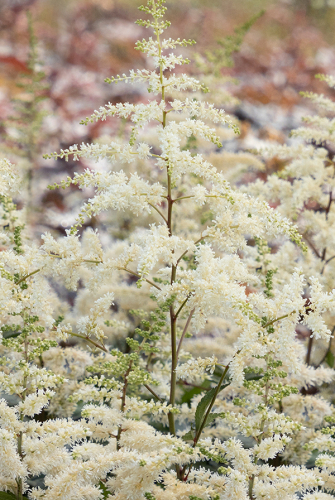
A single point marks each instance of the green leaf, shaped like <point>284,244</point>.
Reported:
<point>193,391</point>
<point>213,416</point>
<point>103,488</point>
<point>203,405</point>
<point>5,495</point>
<point>11,335</point>
<point>189,436</point>
<point>330,359</point>
<point>253,376</point>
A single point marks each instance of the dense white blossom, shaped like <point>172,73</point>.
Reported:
<point>9,178</point>
<point>189,380</point>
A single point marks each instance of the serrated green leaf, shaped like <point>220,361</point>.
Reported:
<point>189,436</point>
<point>330,359</point>
<point>203,405</point>
<point>211,417</point>
<point>193,391</point>
<point>103,488</point>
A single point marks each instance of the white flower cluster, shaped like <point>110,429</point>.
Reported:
<point>190,380</point>
<point>9,178</point>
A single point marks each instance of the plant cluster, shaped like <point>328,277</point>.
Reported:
<point>203,368</point>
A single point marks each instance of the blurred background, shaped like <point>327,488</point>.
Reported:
<point>81,42</point>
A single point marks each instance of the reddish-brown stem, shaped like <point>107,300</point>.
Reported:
<point>153,393</point>
<point>123,402</point>
<point>311,246</point>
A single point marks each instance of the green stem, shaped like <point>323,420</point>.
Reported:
<point>153,393</point>
<point>123,403</point>
<point>99,346</point>
<point>27,276</point>
<point>181,307</point>
<point>184,332</point>
<point>193,196</point>
<point>251,486</point>
<point>183,198</point>
<point>173,320</point>
<point>196,242</point>
<point>328,350</point>
<point>170,201</point>
<point>158,211</point>
<point>189,384</point>
<point>96,262</point>
<point>278,319</point>
<point>198,434</point>
<point>251,481</point>
<point>19,481</point>
<point>173,383</point>
<point>218,387</point>
<point>84,260</point>
<point>138,276</point>
<point>172,427</point>
<point>309,350</point>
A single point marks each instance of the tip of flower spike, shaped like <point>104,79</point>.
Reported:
<point>86,120</point>
<point>329,79</point>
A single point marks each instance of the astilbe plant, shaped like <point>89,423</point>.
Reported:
<point>160,419</point>
<point>23,130</point>
<point>303,191</point>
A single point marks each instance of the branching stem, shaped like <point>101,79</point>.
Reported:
<point>209,409</point>
<point>153,393</point>
<point>123,402</point>
<point>27,276</point>
<point>184,331</point>
<point>181,307</point>
<point>158,211</point>
<point>138,276</point>
<point>84,337</point>
<point>186,251</point>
